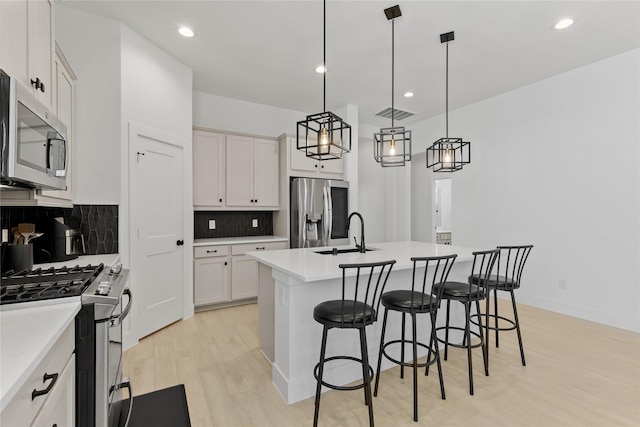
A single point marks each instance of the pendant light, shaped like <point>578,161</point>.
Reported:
<point>392,146</point>
<point>448,154</point>
<point>324,136</point>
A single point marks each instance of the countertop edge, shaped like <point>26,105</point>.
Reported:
<point>237,240</point>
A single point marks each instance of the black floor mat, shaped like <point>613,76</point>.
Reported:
<point>161,408</point>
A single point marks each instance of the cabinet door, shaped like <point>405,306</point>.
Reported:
<point>266,172</point>
<point>208,168</point>
<point>332,166</point>
<point>59,408</point>
<point>299,160</point>
<point>40,25</point>
<point>211,280</point>
<point>14,57</point>
<point>244,277</point>
<point>239,171</point>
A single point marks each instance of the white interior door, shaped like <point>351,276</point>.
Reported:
<point>156,227</point>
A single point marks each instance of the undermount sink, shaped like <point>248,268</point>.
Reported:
<point>336,251</point>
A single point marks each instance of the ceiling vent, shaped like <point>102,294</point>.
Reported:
<point>397,114</point>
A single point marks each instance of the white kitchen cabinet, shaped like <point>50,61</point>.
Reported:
<point>211,275</point>
<point>48,393</point>
<point>209,171</point>
<point>224,275</point>
<point>27,45</point>
<point>301,165</point>
<point>60,407</point>
<point>252,172</point>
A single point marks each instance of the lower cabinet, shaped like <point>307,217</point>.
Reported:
<point>224,274</point>
<point>47,397</point>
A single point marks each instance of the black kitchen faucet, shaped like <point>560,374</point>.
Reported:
<point>360,246</point>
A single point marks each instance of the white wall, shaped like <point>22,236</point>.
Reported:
<point>157,93</point>
<point>91,44</point>
<point>555,164</point>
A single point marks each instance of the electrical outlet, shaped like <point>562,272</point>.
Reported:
<point>212,224</point>
<point>254,223</point>
<point>562,284</point>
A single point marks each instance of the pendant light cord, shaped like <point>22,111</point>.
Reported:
<point>393,110</point>
<point>447,93</point>
<point>324,55</point>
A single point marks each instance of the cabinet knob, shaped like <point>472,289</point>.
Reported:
<point>225,263</point>
<point>322,167</point>
<point>37,83</point>
<point>220,200</point>
<point>180,242</point>
<point>315,166</point>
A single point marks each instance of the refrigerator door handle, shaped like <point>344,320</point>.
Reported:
<point>327,226</point>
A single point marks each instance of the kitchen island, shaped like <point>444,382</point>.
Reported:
<point>294,281</point>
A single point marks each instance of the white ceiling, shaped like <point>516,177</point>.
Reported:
<point>266,51</point>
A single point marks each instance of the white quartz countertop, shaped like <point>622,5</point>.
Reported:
<point>238,240</point>
<point>308,266</point>
<point>106,259</point>
<point>26,336</point>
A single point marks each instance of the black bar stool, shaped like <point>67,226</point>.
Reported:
<point>421,299</point>
<point>468,293</point>
<point>355,313</point>
<point>509,269</point>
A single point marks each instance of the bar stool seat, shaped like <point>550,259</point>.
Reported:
<point>352,313</point>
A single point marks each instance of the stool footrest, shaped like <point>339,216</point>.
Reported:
<point>409,364</point>
<point>493,328</point>
<point>457,328</point>
<point>342,387</point>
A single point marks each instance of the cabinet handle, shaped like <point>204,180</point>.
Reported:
<point>225,263</point>
<point>54,377</point>
<point>212,252</point>
<point>220,200</point>
<point>262,248</point>
<point>322,166</point>
<point>37,83</point>
<point>180,242</point>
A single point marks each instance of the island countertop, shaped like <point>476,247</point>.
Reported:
<point>306,265</point>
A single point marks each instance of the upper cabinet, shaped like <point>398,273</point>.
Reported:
<point>301,165</point>
<point>27,45</point>
<point>209,176</point>
<point>233,172</point>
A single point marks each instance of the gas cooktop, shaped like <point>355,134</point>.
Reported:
<point>42,284</point>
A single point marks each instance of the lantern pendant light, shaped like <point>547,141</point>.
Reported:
<point>323,136</point>
<point>448,154</point>
<point>392,146</point>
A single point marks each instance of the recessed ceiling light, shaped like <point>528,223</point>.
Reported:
<point>320,69</point>
<point>564,23</point>
<point>408,94</point>
<point>185,31</point>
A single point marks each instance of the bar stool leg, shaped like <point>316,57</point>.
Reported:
<point>402,347</point>
<point>515,317</point>
<point>486,314</point>
<point>467,334</point>
<point>365,372</point>
<point>384,329</point>
<point>446,332</point>
<point>415,367</point>
<point>495,307</point>
<point>320,370</point>
<point>485,349</point>
<point>436,350</point>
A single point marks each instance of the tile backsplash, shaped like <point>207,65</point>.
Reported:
<point>98,223</point>
<point>232,224</point>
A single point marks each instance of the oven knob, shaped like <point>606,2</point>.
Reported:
<point>103,288</point>
<point>115,269</point>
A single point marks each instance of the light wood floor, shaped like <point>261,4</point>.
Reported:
<point>578,373</point>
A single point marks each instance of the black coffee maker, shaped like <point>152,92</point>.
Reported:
<point>61,241</point>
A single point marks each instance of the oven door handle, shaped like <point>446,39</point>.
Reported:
<point>117,320</point>
<point>127,384</point>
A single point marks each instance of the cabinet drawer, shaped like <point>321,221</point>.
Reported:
<point>59,407</point>
<point>209,251</point>
<point>22,409</point>
<point>249,247</point>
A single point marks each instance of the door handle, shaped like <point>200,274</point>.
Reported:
<point>180,242</point>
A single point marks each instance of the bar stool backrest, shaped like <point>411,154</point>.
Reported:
<point>436,271</point>
<point>483,264</point>
<point>511,264</point>
<point>370,281</point>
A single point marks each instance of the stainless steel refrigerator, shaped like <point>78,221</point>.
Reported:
<point>319,212</point>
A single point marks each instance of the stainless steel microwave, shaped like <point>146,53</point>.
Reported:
<point>34,143</point>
